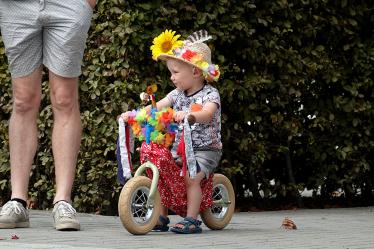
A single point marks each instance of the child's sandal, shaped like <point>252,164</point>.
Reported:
<point>163,227</point>
<point>190,225</point>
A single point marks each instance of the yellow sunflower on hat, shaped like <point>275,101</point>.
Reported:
<point>165,43</point>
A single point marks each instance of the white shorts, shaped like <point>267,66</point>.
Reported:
<point>49,32</point>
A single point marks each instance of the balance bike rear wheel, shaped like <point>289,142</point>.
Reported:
<point>219,215</point>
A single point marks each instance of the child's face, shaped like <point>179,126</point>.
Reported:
<point>182,74</point>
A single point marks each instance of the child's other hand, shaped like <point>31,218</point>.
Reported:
<point>124,116</point>
<point>179,116</point>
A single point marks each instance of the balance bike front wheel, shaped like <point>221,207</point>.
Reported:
<point>136,215</point>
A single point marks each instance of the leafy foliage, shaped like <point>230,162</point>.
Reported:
<point>297,94</point>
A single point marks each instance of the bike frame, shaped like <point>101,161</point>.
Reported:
<point>152,192</point>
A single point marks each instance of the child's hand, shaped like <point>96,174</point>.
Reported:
<point>179,116</point>
<point>124,116</point>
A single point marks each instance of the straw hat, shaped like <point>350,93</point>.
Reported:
<point>192,51</point>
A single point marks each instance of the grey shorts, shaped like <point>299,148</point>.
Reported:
<point>49,32</point>
<point>207,161</point>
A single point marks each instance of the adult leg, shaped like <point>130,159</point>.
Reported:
<point>22,143</point>
<point>21,34</point>
<point>66,135</point>
<point>64,37</point>
<point>23,130</point>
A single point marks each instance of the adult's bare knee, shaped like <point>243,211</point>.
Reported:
<point>26,103</point>
<point>64,103</point>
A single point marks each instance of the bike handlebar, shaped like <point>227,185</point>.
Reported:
<point>191,119</point>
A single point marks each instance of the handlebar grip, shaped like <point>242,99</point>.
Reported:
<point>191,119</point>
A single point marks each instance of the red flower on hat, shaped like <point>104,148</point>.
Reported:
<point>188,55</point>
<point>215,73</point>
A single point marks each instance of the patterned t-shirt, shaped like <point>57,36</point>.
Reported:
<point>204,136</point>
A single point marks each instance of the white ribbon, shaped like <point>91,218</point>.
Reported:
<point>123,150</point>
<point>190,154</point>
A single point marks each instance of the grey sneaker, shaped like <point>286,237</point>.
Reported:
<point>64,217</point>
<point>13,215</point>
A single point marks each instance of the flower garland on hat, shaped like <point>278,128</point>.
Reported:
<point>167,45</point>
<point>210,71</point>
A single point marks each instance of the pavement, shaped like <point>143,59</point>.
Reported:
<point>316,228</point>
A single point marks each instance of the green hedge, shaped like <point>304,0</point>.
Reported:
<point>296,88</point>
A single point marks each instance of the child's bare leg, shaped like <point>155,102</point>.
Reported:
<point>194,198</point>
<point>194,194</point>
<point>164,211</point>
<point>163,221</point>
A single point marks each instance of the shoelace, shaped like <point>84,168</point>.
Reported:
<point>12,205</point>
<point>66,210</point>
